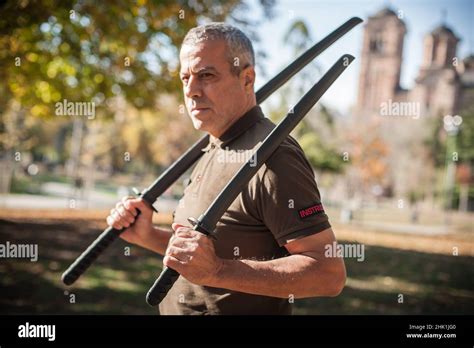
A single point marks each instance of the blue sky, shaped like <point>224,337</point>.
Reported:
<point>323,16</point>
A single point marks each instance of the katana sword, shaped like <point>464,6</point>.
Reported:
<point>206,223</point>
<point>183,163</point>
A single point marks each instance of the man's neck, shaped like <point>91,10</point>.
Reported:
<point>215,135</point>
<point>251,102</point>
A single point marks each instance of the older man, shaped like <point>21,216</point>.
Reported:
<point>271,242</point>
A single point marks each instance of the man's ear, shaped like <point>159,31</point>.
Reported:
<point>248,74</point>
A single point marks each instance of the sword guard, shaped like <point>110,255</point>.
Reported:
<point>198,227</point>
<point>140,194</point>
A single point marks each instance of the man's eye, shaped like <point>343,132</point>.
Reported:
<point>184,79</point>
<point>205,75</point>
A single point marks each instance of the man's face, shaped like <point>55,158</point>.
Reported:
<point>214,96</point>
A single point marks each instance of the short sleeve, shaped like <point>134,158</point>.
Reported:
<point>289,201</point>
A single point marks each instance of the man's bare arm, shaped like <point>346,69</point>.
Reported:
<point>158,240</point>
<point>305,273</point>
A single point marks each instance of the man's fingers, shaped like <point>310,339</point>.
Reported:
<point>185,232</point>
<point>173,263</point>
<point>175,226</point>
<point>127,198</point>
<point>119,219</point>
<point>139,204</point>
<point>129,207</point>
<point>132,205</point>
<point>115,215</point>
<point>178,253</point>
<point>116,220</point>
<point>182,243</point>
<point>115,224</point>
<point>110,221</point>
<point>126,214</point>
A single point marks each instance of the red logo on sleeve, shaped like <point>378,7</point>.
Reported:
<point>312,210</point>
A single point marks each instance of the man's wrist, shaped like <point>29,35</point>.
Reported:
<point>163,236</point>
<point>223,270</point>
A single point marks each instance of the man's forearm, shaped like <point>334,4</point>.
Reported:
<point>157,240</point>
<point>295,276</point>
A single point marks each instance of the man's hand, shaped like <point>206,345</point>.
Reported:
<point>192,254</point>
<point>123,216</point>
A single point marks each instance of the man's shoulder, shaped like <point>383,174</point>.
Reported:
<point>255,134</point>
<point>286,157</point>
<point>262,129</point>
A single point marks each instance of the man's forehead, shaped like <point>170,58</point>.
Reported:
<point>202,55</point>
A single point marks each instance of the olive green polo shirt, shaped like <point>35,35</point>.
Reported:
<point>280,203</point>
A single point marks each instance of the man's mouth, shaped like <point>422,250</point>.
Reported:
<point>198,110</point>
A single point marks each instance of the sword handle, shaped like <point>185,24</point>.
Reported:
<point>169,276</point>
<point>162,285</point>
<point>84,261</point>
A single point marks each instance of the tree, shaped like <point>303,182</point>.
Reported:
<point>87,51</point>
<point>319,152</point>
<point>54,50</point>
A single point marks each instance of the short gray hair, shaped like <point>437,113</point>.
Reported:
<point>238,43</point>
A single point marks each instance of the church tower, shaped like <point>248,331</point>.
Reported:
<point>439,48</point>
<point>437,84</point>
<point>381,60</point>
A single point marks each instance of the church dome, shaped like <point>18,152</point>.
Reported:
<point>443,30</point>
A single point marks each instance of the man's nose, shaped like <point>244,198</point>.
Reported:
<point>193,88</point>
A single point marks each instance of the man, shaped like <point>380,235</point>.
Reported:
<point>271,241</point>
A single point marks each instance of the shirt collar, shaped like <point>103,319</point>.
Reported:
<point>246,121</point>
